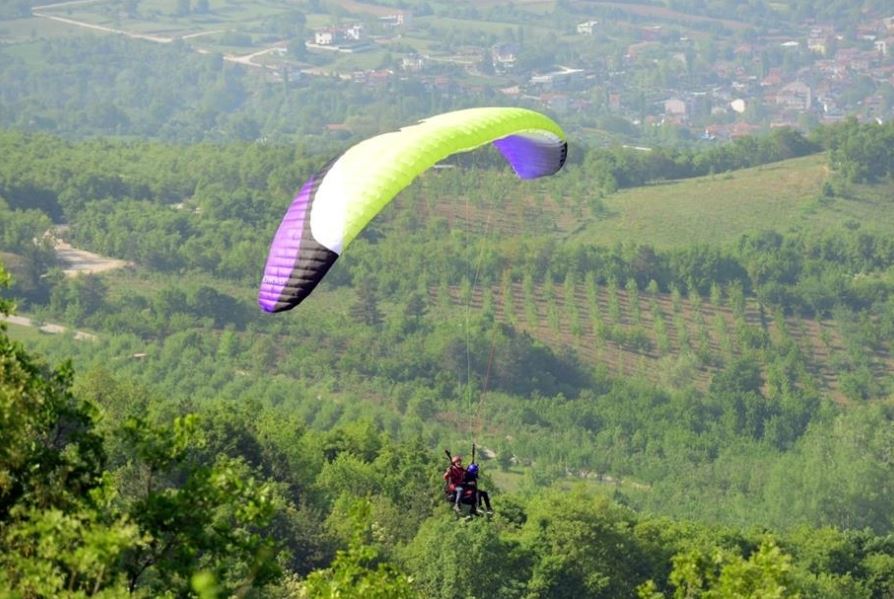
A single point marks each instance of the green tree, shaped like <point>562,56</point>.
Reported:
<point>365,308</point>
<point>614,302</point>
<point>582,547</point>
<point>196,517</point>
<point>723,573</point>
<point>79,298</point>
<point>60,534</point>
<point>446,558</point>
<point>359,571</point>
<point>716,295</point>
<point>414,310</point>
<point>633,299</point>
<point>532,316</point>
<point>506,294</point>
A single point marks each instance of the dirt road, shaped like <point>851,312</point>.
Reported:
<point>141,36</point>
<point>79,262</point>
<point>51,328</point>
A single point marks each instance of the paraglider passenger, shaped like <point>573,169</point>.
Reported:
<point>455,475</point>
<point>471,482</point>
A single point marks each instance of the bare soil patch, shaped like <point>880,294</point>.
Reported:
<point>79,262</point>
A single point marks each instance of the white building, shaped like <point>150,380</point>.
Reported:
<point>354,33</point>
<point>400,19</point>
<point>504,57</point>
<point>412,63</point>
<point>587,27</point>
<point>333,37</point>
<point>324,38</point>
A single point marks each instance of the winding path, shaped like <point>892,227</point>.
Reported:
<point>53,329</point>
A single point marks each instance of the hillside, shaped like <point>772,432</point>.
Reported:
<point>671,343</point>
<point>667,341</point>
<point>718,209</point>
<point>655,335</point>
<point>715,210</point>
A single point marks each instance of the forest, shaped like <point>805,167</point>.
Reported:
<point>199,447</point>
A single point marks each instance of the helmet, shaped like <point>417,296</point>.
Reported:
<point>472,469</point>
<point>456,459</point>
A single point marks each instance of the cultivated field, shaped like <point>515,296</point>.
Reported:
<point>673,342</point>
<point>660,13</point>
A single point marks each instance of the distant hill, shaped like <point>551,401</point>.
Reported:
<point>717,209</point>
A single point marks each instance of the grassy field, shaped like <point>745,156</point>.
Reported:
<point>23,31</point>
<point>535,6</point>
<point>652,11</point>
<point>485,27</point>
<point>362,8</point>
<point>155,17</point>
<point>720,208</point>
<point>24,334</point>
<point>360,61</point>
<point>384,8</point>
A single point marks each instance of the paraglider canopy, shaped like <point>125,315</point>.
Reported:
<point>334,205</point>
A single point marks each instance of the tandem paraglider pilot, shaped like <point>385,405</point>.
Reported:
<point>470,483</point>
